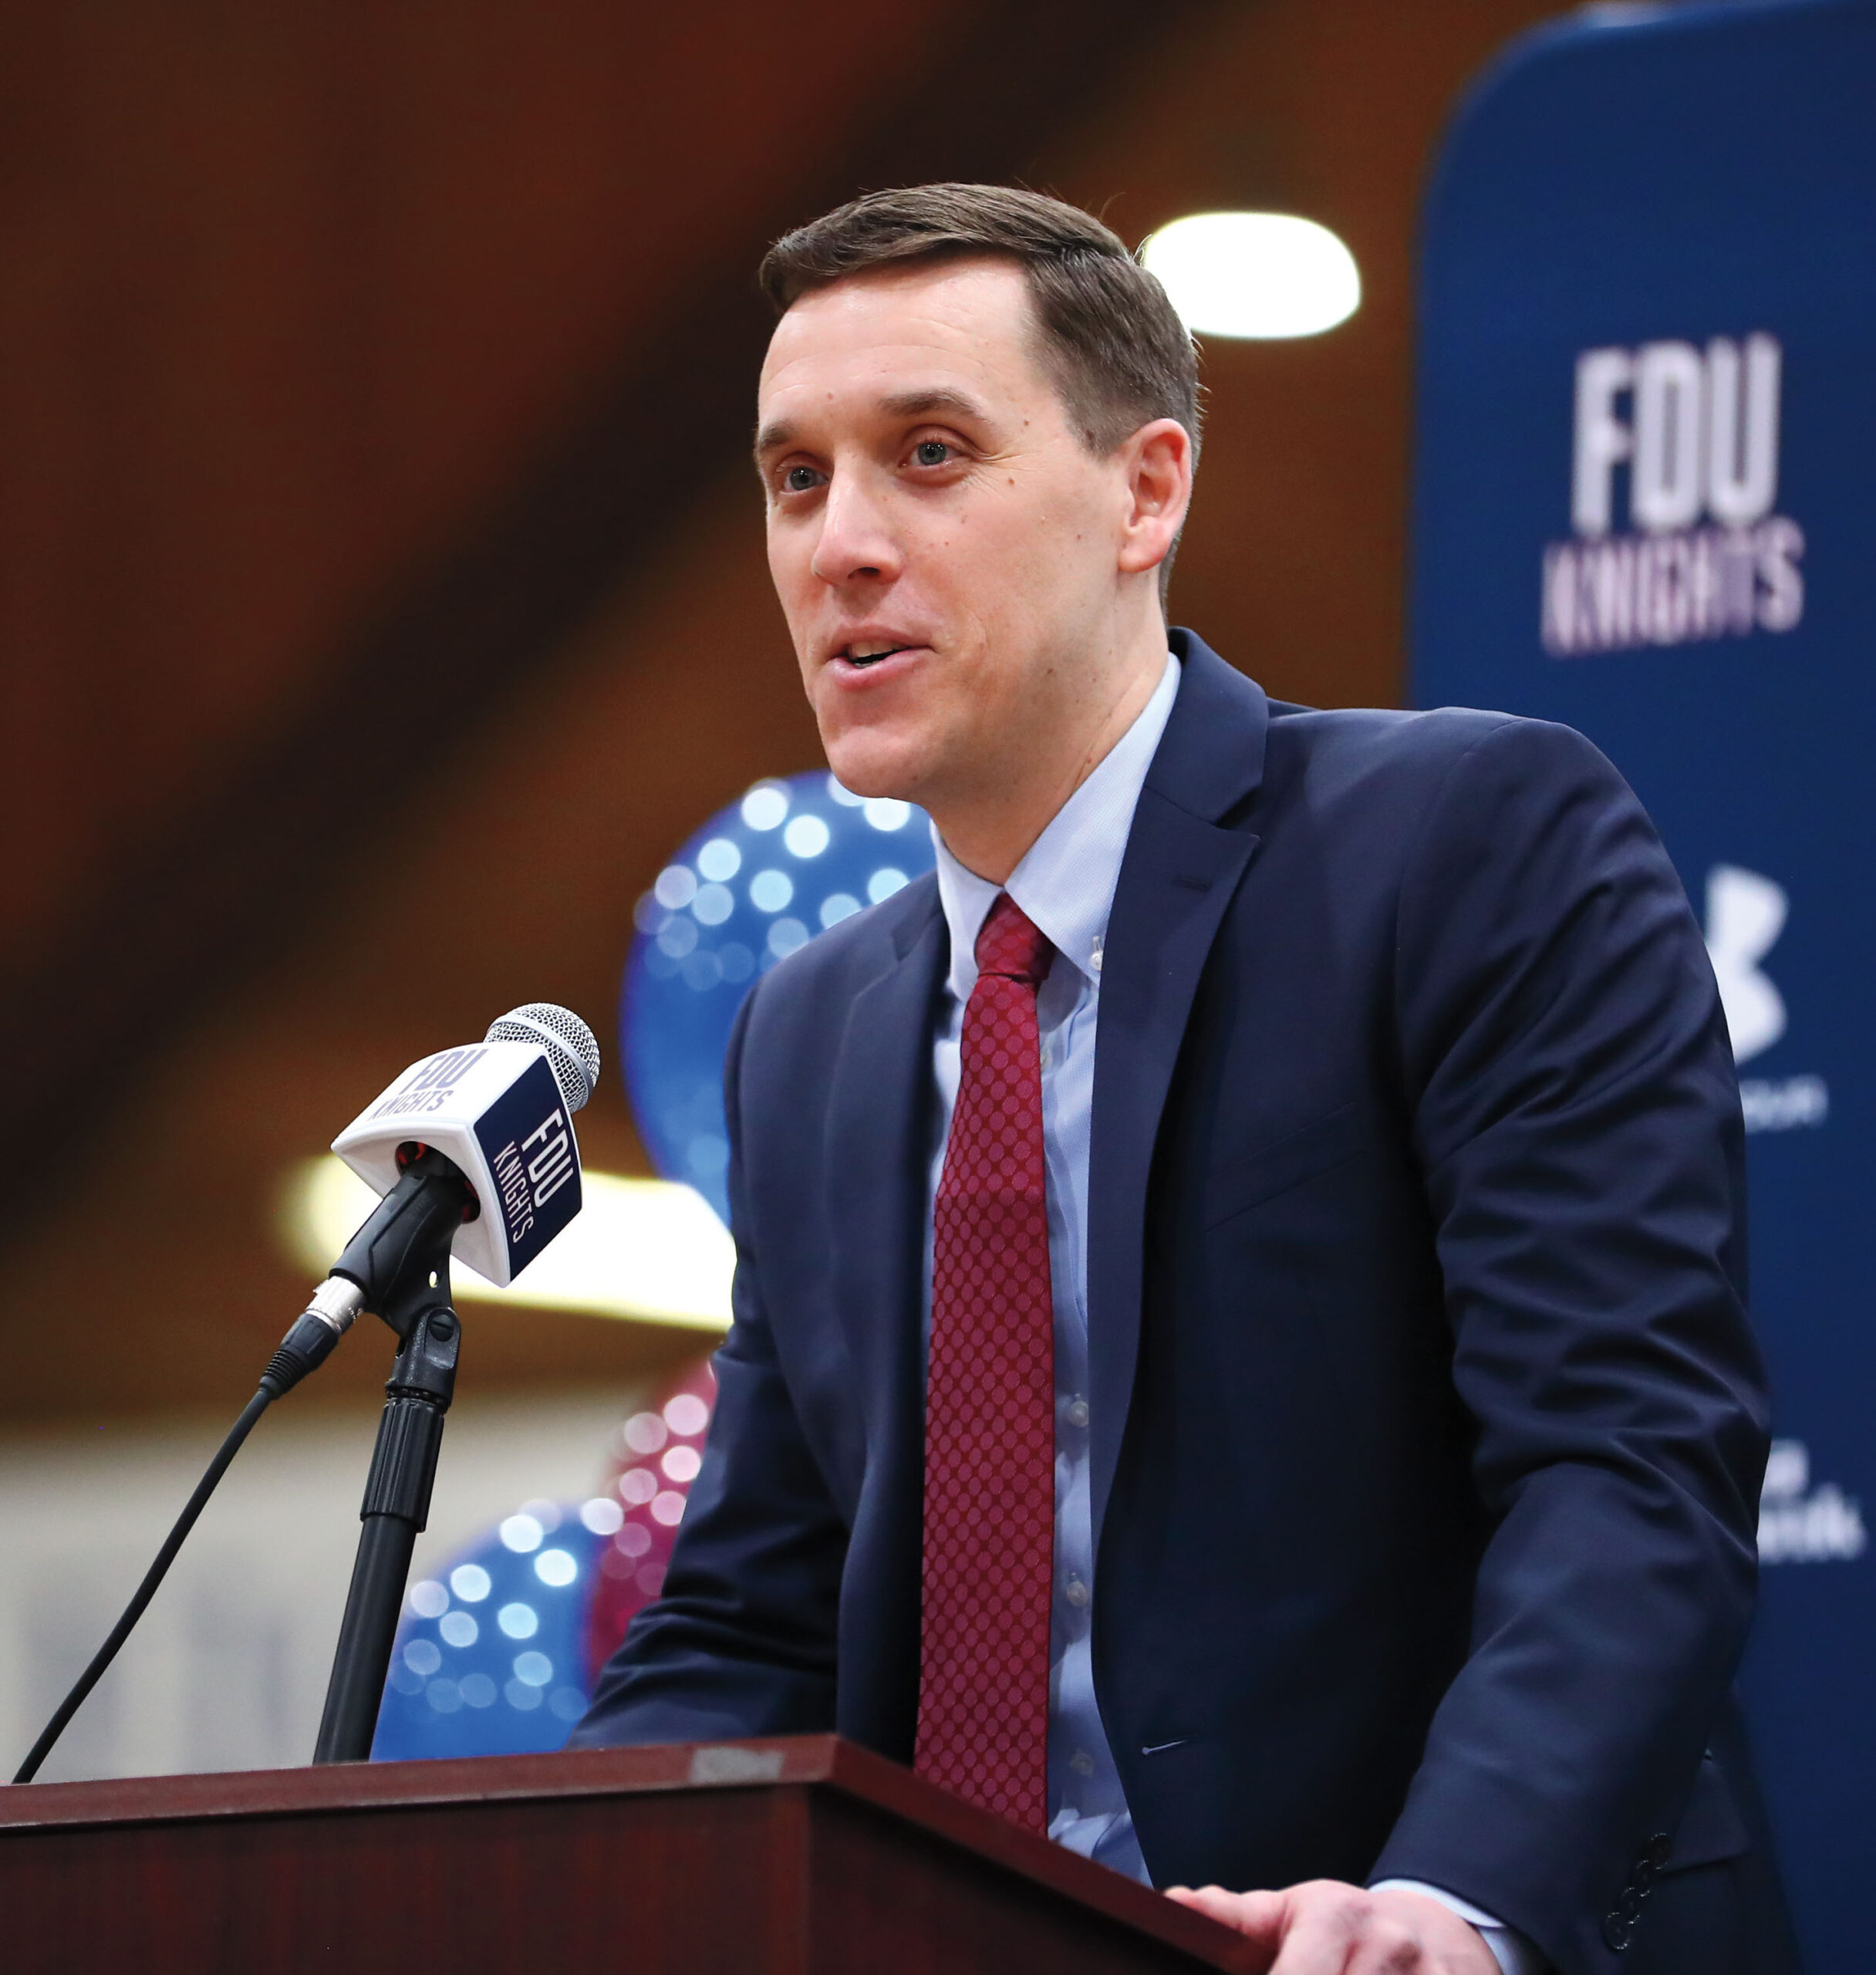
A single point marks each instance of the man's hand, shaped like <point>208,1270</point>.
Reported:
<point>1326,1928</point>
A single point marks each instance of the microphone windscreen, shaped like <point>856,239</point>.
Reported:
<point>572,1054</point>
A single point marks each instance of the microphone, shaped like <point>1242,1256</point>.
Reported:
<point>473,1144</point>
<point>473,1151</point>
<point>502,1112</point>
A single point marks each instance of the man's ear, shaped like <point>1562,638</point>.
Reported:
<point>1157,462</point>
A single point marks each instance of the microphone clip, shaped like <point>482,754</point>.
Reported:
<point>399,1259</point>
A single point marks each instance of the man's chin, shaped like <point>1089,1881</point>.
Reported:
<point>871,765</point>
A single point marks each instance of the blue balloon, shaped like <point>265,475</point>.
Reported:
<point>490,1657</point>
<point>797,854</point>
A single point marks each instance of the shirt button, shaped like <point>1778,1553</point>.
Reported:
<point>1078,1413</point>
<point>1082,1763</point>
<point>1076,1592</point>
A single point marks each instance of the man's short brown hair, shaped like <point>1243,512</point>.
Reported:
<point>1115,348</point>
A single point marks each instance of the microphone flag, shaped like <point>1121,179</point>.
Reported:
<point>495,1109</point>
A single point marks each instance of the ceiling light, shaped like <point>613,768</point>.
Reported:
<point>647,1249</point>
<point>1263,275</point>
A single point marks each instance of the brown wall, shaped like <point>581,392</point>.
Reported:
<point>288,290</point>
<point>297,298</point>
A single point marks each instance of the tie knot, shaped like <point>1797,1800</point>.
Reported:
<point>1010,945</point>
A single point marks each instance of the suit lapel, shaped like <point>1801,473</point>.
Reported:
<point>878,1133</point>
<point>1182,868</point>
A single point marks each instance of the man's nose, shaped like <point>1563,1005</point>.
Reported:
<point>856,543</point>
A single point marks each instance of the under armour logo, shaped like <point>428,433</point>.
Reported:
<point>1745,914</point>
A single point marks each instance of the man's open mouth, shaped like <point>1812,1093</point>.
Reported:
<point>870,651</point>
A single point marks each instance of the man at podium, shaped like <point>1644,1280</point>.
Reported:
<point>1239,1361</point>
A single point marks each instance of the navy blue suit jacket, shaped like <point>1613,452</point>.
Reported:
<point>1427,1425</point>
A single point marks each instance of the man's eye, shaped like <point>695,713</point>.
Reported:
<point>931,452</point>
<point>801,480</point>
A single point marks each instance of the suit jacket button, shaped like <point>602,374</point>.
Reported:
<point>1616,1932</point>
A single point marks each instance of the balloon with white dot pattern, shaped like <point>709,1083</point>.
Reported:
<point>491,1655</point>
<point>794,855</point>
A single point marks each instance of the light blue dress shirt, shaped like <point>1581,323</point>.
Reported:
<point>1065,885</point>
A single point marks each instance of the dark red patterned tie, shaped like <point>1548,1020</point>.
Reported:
<point>990,1408</point>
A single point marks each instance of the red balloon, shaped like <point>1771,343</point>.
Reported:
<point>655,1458</point>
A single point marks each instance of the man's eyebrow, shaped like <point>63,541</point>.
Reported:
<point>773,437</point>
<point>937,397</point>
<point>779,434</point>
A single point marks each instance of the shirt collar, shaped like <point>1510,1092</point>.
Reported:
<point>1066,883</point>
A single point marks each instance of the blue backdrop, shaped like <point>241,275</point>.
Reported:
<point>1645,504</point>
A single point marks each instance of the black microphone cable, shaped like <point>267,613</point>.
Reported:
<point>336,1303</point>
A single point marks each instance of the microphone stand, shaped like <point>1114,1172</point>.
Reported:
<point>400,1259</point>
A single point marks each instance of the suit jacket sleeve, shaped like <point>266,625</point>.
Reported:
<point>741,1642</point>
<point>1576,1114</point>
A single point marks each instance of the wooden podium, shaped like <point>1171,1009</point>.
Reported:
<point>802,1856</point>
